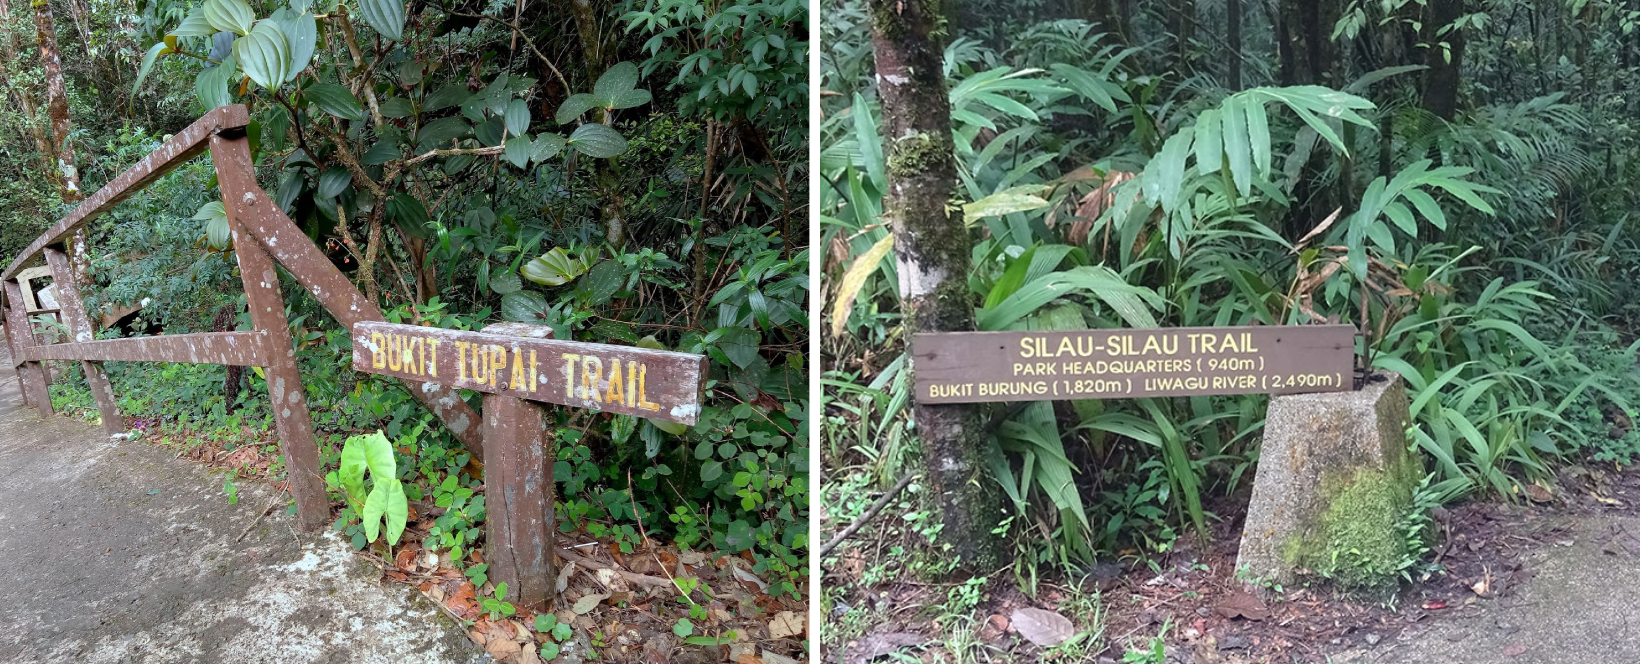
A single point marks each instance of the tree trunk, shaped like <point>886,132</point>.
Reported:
<point>1232,37</point>
<point>10,48</point>
<point>57,102</point>
<point>613,210</point>
<point>1307,56</point>
<point>45,25</point>
<point>931,247</point>
<point>1182,19</point>
<point>1440,93</point>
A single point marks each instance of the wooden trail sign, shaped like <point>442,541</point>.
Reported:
<point>656,384</point>
<point>516,364</point>
<point>973,367</point>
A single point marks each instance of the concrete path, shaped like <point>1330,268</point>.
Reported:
<point>116,552</point>
<point>1581,607</point>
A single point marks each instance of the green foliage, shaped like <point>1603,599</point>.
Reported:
<point>1102,195</point>
<point>385,504</point>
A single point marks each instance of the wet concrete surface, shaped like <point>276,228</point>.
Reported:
<point>117,552</point>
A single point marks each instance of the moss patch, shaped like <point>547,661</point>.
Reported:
<point>1359,542</point>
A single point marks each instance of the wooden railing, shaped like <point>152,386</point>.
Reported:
<point>263,236</point>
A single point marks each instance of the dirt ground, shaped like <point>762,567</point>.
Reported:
<point>1548,579</point>
<point>119,552</point>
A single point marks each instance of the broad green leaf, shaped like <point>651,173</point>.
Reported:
<point>302,33</point>
<point>854,279</point>
<point>351,472</point>
<point>602,282</point>
<point>1209,144</point>
<point>554,268</point>
<point>517,151</point>
<point>382,152</point>
<point>264,54</point>
<point>505,282</point>
<point>378,456</point>
<point>214,86</point>
<point>524,306</point>
<point>546,147</point>
<point>375,505</point>
<point>396,107</point>
<point>454,94</point>
<point>439,133</point>
<point>230,15</point>
<point>334,181</point>
<point>596,140</point>
<point>397,510</point>
<point>1008,201</point>
<point>619,79</point>
<point>409,214</point>
<point>1133,304</point>
<point>740,344</point>
<point>573,107</point>
<point>217,233</point>
<point>518,118</point>
<point>489,132</point>
<point>196,25</point>
<point>335,100</point>
<point>1237,147</point>
<point>1258,136</point>
<point>630,99</point>
<point>386,16</point>
<point>148,60</point>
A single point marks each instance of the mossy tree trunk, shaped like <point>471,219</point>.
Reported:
<point>931,246</point>
<point>62,142</point>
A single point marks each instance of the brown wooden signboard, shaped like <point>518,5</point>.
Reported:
<point>656,384</point>
<point>515,364</point>
<point>972,367</point>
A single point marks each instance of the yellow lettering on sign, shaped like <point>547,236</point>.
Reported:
<point>461,360</point>
<point>498,361</point>
<point>516,380</point>
<point>631,382</point>
<point>642,402</point>
<point>481,365</point>
<point>615,393</point>
<point>1025,347</point>
<point>432,357</point>
<point>420,352</point>
<point>395,357</point>
<point>377,360</point>
<point>590,377</point>
<point>569,374</point>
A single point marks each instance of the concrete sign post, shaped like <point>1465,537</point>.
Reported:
<point>517,366</point>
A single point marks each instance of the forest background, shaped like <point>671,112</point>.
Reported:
<point>1455,177</point>
<point>625,171</point>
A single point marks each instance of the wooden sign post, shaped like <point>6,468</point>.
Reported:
<point>515,364</point>
<point>970,367</point>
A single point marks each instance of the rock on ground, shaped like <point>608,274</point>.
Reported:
<point>117,552</point>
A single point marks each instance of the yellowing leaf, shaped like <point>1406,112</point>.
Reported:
<point>1008,201</point>
<point>854,279</point>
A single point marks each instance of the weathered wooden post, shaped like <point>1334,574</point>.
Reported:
<point>237,178</point>
<point>30,374</point>
<point>72,309</point>
<point>515,364</point>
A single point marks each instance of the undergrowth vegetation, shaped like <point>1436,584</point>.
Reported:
<point>626,172</point>
<point>1111,176</point>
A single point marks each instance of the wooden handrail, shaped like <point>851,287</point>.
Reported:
<point>185,145</point>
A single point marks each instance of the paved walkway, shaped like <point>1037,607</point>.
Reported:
<point>1581,607</point>
<point>117,552</point>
